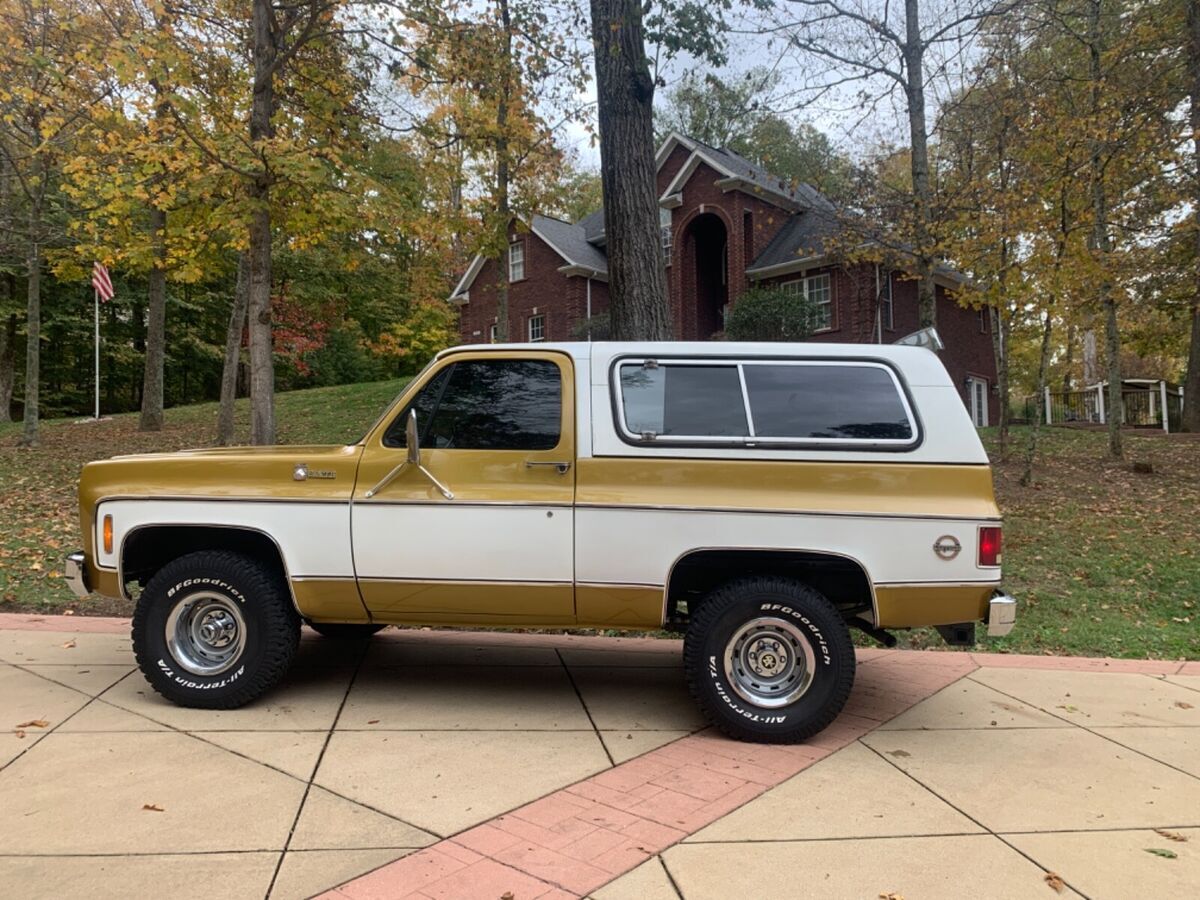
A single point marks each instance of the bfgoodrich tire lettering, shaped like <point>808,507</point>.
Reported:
<point>251,627</point>
<point>803,645</point>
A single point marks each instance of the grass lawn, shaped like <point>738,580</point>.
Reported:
<point>1104,562</point>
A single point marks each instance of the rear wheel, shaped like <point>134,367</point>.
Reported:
<point>215,629</point>
<point>345,632</point>
<point>769,659</point>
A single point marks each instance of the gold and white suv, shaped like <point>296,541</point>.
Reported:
<point>762,499</point>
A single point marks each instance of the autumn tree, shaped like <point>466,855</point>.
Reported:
<point>46,92</point>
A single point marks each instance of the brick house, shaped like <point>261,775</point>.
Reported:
<point>726,225</point>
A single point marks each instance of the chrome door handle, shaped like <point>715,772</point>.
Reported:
<point>561,466</point>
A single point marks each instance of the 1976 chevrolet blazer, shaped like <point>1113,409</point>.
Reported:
<point>762,499</point>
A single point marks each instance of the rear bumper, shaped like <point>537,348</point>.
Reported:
<point>1002,615</point>
<point>76,574</point>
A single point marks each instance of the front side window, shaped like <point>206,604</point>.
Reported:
<point>537,328</point>
<point>760,403</point>
<point>516,261</point>
<point>493,404</point>
<point>683,400</point>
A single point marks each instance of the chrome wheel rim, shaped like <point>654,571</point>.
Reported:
<point>769,662</point>
<point>205,633</point>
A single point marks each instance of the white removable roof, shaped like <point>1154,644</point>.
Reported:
<point>947,434</point>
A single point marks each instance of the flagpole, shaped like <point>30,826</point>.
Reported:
<point>96,308</point>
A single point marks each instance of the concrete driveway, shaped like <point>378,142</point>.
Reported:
<point>454,764</point>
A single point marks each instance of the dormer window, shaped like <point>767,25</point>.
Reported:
<point>516,261</point>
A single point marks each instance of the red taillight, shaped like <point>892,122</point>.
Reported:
<point>989,546</point>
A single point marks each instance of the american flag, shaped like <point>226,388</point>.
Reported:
<point>101,282</point>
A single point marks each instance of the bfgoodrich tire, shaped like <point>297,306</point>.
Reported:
<point>768,660</point>
<point>344,632</point>
<point>215,630</point>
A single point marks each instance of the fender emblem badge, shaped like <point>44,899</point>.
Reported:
<point>947,546</point>
<point>300,473</point>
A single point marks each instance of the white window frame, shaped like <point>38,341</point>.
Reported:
<point>540,320</point>
<point>493,333</point>
<point>754,440</point>
<point>977,400</point>
<point>666,236</point>
<point>516,261</point>
<point>804,287</point>
<point>887,304</point>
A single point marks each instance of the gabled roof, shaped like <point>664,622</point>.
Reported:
<point>738,172</point>
<point>568,240</point>
<point>802,238</point>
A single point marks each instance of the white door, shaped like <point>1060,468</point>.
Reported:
<point>977,391</point>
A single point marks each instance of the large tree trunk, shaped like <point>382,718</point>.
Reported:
<point>156,327</point>
<point>8,353</point>
<point>1036,424</point>
<point>262,364</point>
<point>1101,240</point>
<point>914,63</point>
<point>1191,382</point>
<point>638,306</point>
<point>233,353</point>
<point>33,325</point>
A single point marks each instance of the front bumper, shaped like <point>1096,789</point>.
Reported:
<point>1002,615</point>
<point>76,574</point>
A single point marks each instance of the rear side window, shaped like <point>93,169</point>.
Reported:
<point>842,402</point>
<point>751,403</point>
<point>494,404</point>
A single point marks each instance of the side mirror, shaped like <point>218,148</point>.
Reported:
<point>411,441</point>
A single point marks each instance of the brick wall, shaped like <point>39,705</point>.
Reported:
<point>543,291</point>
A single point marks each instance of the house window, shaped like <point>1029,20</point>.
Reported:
<point>819,291</point>
<point>887,314</point>
<point>516,261</point>
<point>537,328</point>
<point>664,230</point>
<point>493,333</point>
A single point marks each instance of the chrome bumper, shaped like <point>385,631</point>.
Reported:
<point>76,575</point>
<point>1002,615</point>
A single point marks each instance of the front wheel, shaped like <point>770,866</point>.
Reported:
<point>768,659</point>
<point>215,629</point>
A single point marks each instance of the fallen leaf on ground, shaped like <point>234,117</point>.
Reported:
<point>1183,704</point>
<point>35,723</point>
<point>372,721</point>
<point>1171,835</point>
<point>890,895</point>
<point>1165,854</point>
<point>152,807</point>
<point>1055,881</point>
<point>69,644</point>
<point>507,895</point>
<point>898,753</point>
<point>19,733</point>
<point>68,612</point>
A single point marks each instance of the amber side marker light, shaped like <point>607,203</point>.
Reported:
<point>989,546</point>
<point>108,534</point>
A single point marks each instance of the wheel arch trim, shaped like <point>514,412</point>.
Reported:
<point>150,526</point>
<point>781,551</point>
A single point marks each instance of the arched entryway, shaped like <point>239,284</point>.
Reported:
<point>707,242</point>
